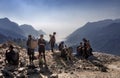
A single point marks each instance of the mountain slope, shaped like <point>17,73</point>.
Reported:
<point>103,35</point>
<point>29,30</point>
<point>10,29</point>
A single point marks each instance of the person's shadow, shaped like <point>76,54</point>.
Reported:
<point>45,70</point>
<point>33,72</point>
<point>98,63</point>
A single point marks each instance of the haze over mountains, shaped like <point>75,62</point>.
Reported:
<point>104,36</point>
<point>11,30</point>
<point>31,30</point>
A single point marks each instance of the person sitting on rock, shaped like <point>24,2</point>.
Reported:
<point>87,48</point>
<point>61,46</point>
<point>12,57</point>
<point>80,50</point>
<point>64,53</point>
<point>69,54</point>
<point>85,54</point>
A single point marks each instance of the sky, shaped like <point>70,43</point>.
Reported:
<point>61,16</point>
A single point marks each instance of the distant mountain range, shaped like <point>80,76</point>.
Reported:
<point>104,36</point>
<point>31,30</point>
<point>11,30</point>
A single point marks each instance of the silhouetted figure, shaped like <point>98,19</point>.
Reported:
<point>12,57</point>
<point>87,50</point>
<point>41,49</point>
<point>80,50</point>
<point>30,50</point>
<point>85,54</point>
<point>69,54</point>
<point>61,46</point>
<point>52,41</point>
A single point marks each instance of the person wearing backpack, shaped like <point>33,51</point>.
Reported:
<point>41,48</point>
<point>52,41</point>
<point>30,50</point>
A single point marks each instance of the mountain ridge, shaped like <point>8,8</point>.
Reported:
<point>11,30</point>
<point>103,35</point>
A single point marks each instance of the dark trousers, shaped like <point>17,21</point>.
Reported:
<point>31,54</point>
<point>42,51</point>
<point>52,46</point>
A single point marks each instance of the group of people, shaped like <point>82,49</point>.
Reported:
<point>84,50</point>
<point>66,52</point>
<point>12,57</point>
<point>41,43</point>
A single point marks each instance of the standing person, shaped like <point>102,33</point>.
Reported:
<point>52,41</point>
<point>41,48</point>
<point>30,50</point>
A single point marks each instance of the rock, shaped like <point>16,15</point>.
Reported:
<point>10,68</point>
<point>66,71</point>
<point>103,69</point>
<point>78,68</point>
<point>1,61</point>
<point>71,73</point>
<point>1,66</point>
<point>54,76</point>
<point>60,71</point>
<point>7,74</point>
<point>30,71</point>
<point>1,75</point>
<point>22,63</point>
<point>21,69</point>
<point>32,66</point>
<point>21,76</point>
<point>37,70</point>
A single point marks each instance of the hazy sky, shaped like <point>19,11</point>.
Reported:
<point>62,16</point>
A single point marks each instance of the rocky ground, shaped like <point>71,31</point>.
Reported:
<point>100,65</point>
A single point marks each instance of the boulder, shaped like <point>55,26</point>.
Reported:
<point>54,76</point>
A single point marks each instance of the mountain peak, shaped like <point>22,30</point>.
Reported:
<point>29,29</point>
<point>5,19</point>
<point>103,35</point>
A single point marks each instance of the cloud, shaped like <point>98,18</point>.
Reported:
<point>63,16</point>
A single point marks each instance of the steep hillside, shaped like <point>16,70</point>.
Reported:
<point>10,29</point>
<point>103,35</point>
